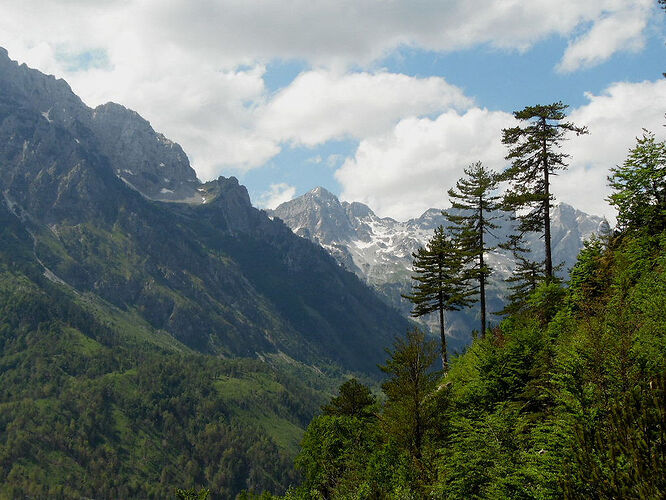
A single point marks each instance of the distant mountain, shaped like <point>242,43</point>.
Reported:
<point>379,250</point>
<point>88,187</point>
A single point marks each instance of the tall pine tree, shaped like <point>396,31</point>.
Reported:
<point>474,208</point>
<point>534,152</point>
<point>440,284</point>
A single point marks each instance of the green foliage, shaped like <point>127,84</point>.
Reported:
<point>474,208</point>
<point>84,414</point>
<point>631,463</point>
<point>334,454</point>
<point>525,278</point>
<point>565,399</point>
<point>354,452</point>
<point>410,409</point>
<point>534,152</point>
<point>354,400</point>
<point>192,494</point>
<point>546,301</point>
<point>639,186</point>
<point>439,282</point>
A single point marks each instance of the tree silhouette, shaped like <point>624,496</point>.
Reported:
<point>474,208</point>
<point>440,284</point>
<point>534,151</point>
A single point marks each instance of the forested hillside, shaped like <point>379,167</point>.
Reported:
<point>565,398</point>
<point>147,345</point>
<point>96,405</point>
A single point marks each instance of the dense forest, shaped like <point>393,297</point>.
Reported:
<point>565,397</point>
<point>93,406</point>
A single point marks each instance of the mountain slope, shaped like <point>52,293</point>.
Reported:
<point>220,276</point>
<point>155,332</point>
<point>379,250</point>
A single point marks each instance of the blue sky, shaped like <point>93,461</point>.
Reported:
<point>379,102</point>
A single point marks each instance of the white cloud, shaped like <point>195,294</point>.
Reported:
<point>277,194</point>
<point>321,105</point>
<point>408,170</point>
<point>615,118</point>
<point>622,30</point>
<point>196,70</point>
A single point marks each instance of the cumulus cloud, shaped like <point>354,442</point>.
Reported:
<point>276,195</point>
<point>621,30</point>
<point>408,170</point>
<point>615,119</point>
<point>322,105</point>
<point>196,71</point>
<point>402,173</point>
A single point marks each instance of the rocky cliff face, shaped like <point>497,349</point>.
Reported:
<point>379,250</point>
<point>144,159</point>
<point>219,277</point>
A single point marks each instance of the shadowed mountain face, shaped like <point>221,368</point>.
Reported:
<point>84,188</point>
<point>379,250</point>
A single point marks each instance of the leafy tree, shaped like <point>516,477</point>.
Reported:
<point>409,406</point>
<point>472,217</point>
<point>534,151</point>
<point>355,400</point>
<point>639,186</point>
<point>633,462</point>
<point>334,455</point>
<point>440,283</point>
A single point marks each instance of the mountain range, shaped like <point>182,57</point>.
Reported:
<point>112,211</point>
<point>379,249</point>
<point>157,331</point>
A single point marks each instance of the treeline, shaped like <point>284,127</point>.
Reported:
<point>451,271</point>
<point>565,398</point>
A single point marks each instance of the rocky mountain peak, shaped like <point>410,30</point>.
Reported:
<point>144,159</point>
<point>379,250</point>
<point>229,191</point>
<point>322,193</point>
<point>52,98</point>
<point>358,210</point>
<point>317,212</point>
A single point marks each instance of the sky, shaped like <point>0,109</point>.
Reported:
<point>379,101</point>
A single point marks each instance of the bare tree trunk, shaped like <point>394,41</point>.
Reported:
<point>546,209</point>
<point>482,276</point>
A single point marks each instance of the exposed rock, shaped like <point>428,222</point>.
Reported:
<point>379,250</point>
<point>144,159</point>
<point>150,162</point>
